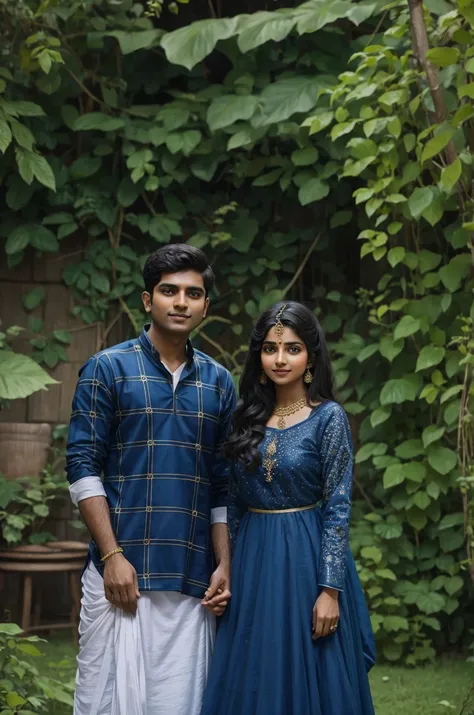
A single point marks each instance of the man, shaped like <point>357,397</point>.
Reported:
<point>150,416</point>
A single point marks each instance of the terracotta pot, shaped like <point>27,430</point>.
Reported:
<point>23,448</point>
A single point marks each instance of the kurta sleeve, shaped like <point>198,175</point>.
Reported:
<point>91,421</point>
<point>336,457</point>
<point>220,468</point>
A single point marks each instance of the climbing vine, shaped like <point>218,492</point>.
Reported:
<point>322,152</point>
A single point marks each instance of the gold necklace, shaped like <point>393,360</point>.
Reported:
<point>282,412</point>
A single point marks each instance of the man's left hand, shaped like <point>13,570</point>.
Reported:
<point>218,593</point>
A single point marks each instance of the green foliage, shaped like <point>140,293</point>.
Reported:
<point>306,140</point>
<point>25,503</point>
<point>20,375</point>
<point>22,688</point>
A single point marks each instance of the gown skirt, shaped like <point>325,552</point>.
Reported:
<point>265,661</point>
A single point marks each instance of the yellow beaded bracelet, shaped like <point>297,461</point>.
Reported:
<point>118,550</point>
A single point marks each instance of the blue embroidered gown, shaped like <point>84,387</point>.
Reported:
<point>265,661</point>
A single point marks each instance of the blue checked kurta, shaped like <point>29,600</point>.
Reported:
<point>159,452</point>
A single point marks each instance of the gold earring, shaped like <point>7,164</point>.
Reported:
<point>263,378</point>
<point>308,378</point>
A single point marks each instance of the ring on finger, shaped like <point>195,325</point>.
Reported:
<point>333,627</point>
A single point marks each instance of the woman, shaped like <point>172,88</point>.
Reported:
<point>296,637</point>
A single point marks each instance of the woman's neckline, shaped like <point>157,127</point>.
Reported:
<point>301,422</point>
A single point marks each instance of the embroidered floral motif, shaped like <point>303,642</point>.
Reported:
<point>269,461</point>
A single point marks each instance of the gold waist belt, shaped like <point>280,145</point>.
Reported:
<point>283,511</point>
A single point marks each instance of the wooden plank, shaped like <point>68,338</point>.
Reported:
<point>69,376</point>
<point>49,268</point>
<point>57,307</point>
<point>23,272</point>
<point>16,412</point>
<point>43,406</point>
<point>84,342</point>
<point>12,311</point>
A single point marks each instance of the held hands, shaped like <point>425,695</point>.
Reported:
<point>217,595</point>
<point>121,583</point>
<point>325,613</point>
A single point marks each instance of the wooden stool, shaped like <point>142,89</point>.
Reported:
<point>31,560</point>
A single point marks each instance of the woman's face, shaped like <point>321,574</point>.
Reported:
<point>284,357</point>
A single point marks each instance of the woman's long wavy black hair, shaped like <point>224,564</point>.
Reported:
<point>257,401</point>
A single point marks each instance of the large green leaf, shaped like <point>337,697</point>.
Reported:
<point>314,15</point>
<point>442,459</point>
<point>409,448</point>
<point>450,520</point>
<point>456,271</point>
<point>395,623</point>
<point>132,41</point>
<point>373,553</point>
<point>415,471</point>
<point>85,166</point>
<point>291,95</point>
<point>429,356</point>
<point>443,56</point>
<point>432,434</point>
<point>10,629</point>
<point>405,389</point>
<point>436,144</point>
<point>23,136</point>
<point>20,376</point>
<point>313,190</point>
<point>244,230</point>
<point>18,239</point>
<point>32,165</point>
<point>33,298</point>
<point>229,108</point>
<point>453,585</point>
<point>394,475</point>
<point>420,199</point>
<point>43,239</point>
<point>388,530</point>
<point>5,136</point>
<point>305,157</point>
<point>451,174</point>
<point>380,415</point>
<point>407,326</point>
<point>192,43</point>
<point>98,120</point>
<point>390,348</point>
<point>260,27</point>
<point>430,602</point>
<point>25,109</point>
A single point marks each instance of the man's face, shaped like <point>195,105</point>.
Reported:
<point>179,302</point>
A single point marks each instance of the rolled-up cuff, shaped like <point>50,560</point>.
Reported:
<point>219,515</point>
<point>85,488</point>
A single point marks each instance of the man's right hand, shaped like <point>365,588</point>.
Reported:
<point>121,583</point>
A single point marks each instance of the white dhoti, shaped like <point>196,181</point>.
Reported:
<point>153,663</point>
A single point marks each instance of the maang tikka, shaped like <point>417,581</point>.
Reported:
<point>279,328</point>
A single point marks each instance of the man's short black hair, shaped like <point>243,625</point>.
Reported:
<point>174,258</point>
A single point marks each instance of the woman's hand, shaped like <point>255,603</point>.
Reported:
<point>218,594</point>
<point>325,613</point>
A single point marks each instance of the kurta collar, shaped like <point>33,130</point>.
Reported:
<point>148,346</point>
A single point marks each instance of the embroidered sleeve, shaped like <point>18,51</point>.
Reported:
<point>91,421</point>
<point>220,468</point>
<point>336,456</point>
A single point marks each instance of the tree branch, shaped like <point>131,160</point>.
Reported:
<point>302,265</point>
<point>420,48</point>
